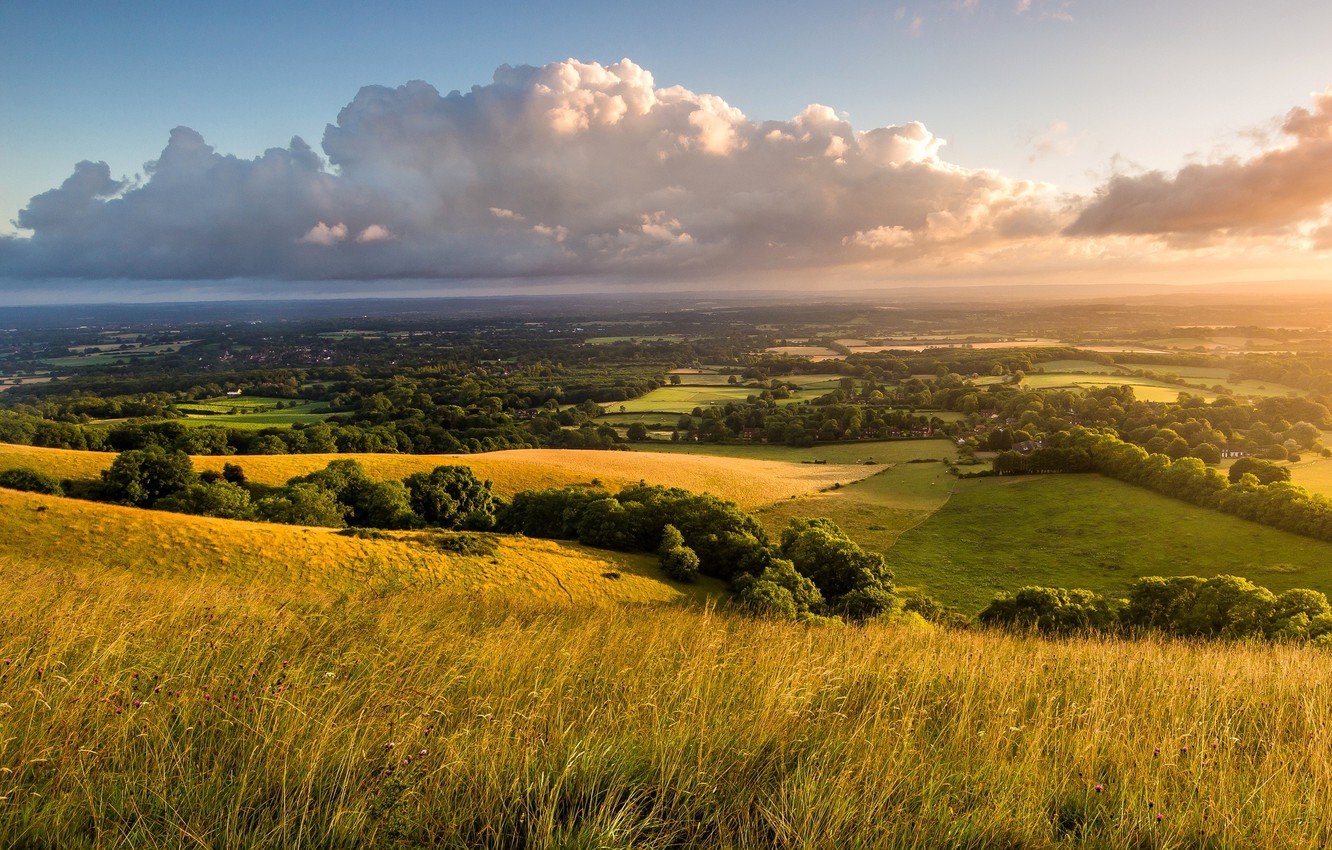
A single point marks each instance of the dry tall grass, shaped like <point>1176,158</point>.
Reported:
<point>751,483</point>
<point>155,712</point>
<point>51,531</point>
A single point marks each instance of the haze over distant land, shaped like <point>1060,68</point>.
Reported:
<point>589,175</point>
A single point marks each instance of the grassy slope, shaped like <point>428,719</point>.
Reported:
<point>749,482</point>
<point>875,511</point>
<point>44,531</point>
<point>1093,532</point>
<point>141,711</point>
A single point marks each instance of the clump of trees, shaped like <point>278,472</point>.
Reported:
<point>815,570</point>
<point>1185,606</point>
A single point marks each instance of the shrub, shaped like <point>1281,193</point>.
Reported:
<point>31,481</point>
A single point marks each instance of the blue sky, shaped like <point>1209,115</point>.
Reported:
<point>1057,92</point>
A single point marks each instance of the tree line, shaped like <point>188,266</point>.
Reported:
<point>1223,606</point>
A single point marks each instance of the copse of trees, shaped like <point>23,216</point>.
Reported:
<point>816,569</point>
<point>1184,606</point>
<point>725,539</point>
<point>851,580</point>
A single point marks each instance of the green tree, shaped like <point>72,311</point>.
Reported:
<point>778,591</point>
<point>638,432</point>
<point>216,498</point>
<point>447,496</point>
<point>140,477</point>
<point>1265,471</point>
<point>304,504</point>
<point>835,563</point>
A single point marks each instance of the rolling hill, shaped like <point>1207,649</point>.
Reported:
<point>56,533</point>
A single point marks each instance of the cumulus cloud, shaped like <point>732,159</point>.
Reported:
<point>570,168</point>
<point>1274,192</point>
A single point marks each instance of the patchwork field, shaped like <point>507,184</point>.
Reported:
<point>53,533</point>
<point>108,355</point>
<point>750,482</point>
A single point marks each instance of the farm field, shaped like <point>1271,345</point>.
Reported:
<point>684,398</point>
<point>813,352</point>
<point>749,482</point>
<point>880,451</point>
<point>54,533</point>
<point>704,390</point>
<point>250,412</point>
<point>1076,367</point>
<point>1091,532</point>
<point>1313,474</point>
<point>1144,389</point>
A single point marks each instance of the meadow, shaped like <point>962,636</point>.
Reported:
<point>1091,532</point>
<point>144,711</point>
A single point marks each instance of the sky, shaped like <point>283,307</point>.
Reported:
<point>203,150</point>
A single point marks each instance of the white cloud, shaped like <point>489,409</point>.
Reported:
<point>614,174</point>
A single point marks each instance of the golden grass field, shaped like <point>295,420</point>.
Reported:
<point>47,531</point>
<point>750,483</point>
<point>143,710</point>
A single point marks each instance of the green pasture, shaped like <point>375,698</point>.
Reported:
<point>1093,532</point>
<point>251,412</point>
<point>942,415</point>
